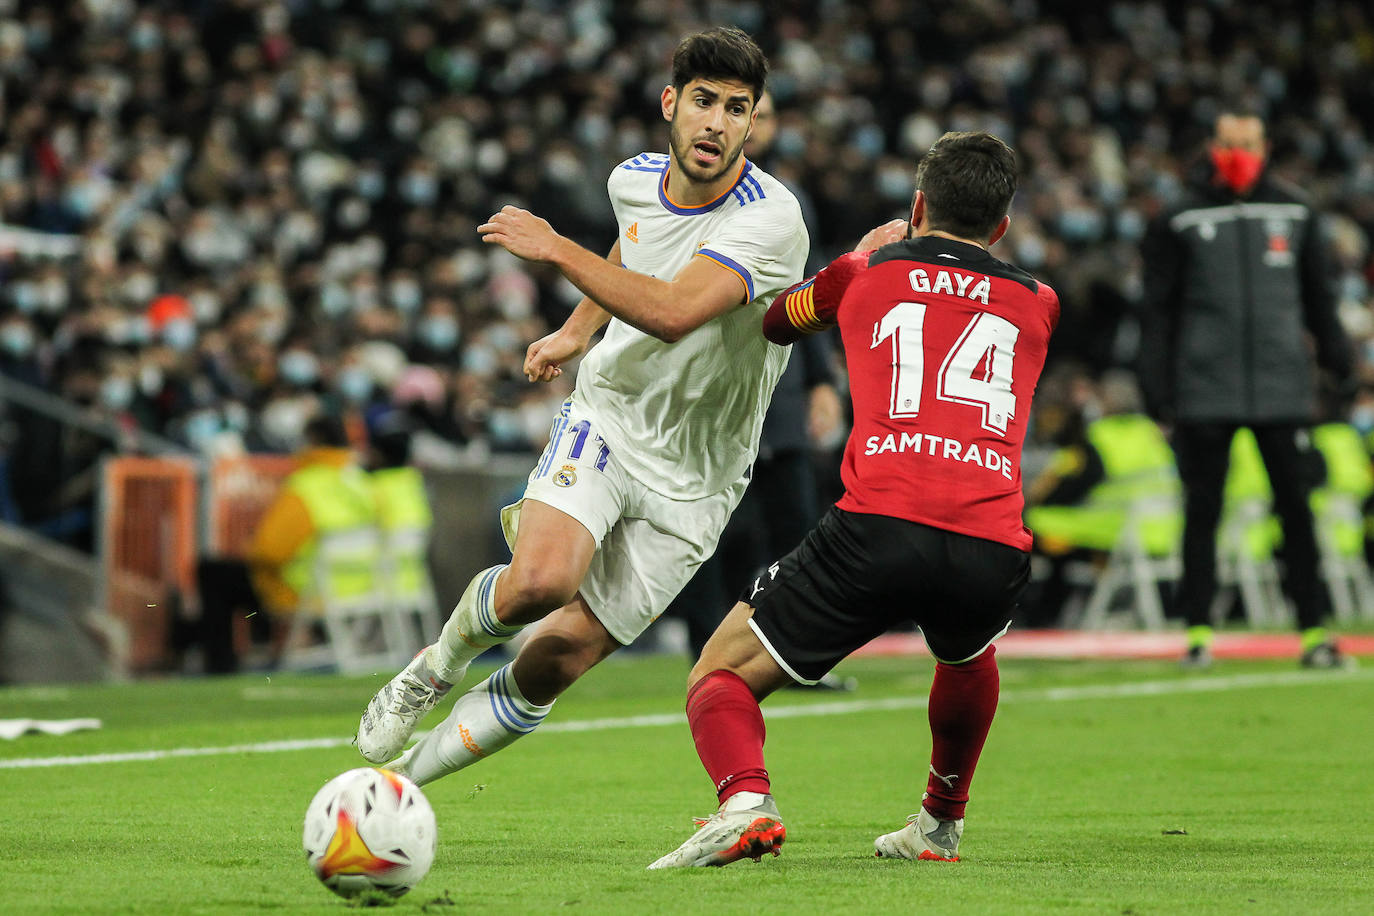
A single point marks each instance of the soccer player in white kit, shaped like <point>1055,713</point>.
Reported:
<point>651,452</point>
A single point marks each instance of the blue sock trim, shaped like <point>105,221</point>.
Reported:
<point>486,615</point>
<point>512,714</point>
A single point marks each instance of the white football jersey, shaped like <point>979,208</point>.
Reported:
<point>685,417</point>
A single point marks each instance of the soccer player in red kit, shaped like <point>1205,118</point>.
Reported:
<point>944,345</point>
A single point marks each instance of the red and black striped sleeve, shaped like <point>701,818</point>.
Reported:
<point>812,305</point>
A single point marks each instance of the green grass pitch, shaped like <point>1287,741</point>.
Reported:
<point>1122,788</point>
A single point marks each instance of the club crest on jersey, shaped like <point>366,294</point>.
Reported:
<point>1279,251</point>
<point>566,476</point>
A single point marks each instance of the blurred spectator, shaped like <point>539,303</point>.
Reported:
<point>1239,270</point>
<point>328,492</point>
<point>403,508</point>
<point>1112,467</point>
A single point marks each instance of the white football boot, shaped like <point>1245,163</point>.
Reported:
<point>923,837</point>
<point>393,712</point>
<point>747,824</point>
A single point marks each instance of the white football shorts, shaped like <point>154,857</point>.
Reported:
<point>648,545</point>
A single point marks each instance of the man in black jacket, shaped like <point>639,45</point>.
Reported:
<point>1234,276</point>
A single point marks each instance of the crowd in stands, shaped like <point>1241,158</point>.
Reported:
<point>220,218</point>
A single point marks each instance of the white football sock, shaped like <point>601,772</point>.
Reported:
<point>471,629</point>
<point>487,718</point>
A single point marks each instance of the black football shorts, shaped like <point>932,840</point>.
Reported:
<point>857,576</point>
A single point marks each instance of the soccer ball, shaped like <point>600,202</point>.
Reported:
<point>369,831</point>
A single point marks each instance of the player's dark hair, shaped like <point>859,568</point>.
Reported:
<point>721,53</point>
<point>968,179</point>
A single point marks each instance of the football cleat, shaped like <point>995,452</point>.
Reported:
<point>393,712</point>
<point>747,825</point>
<point>1197,658</point>
<point>1326,655</point>
<point>923,837</point>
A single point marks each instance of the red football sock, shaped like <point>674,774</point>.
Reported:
<point>727,726</point>
<point>963,700</point>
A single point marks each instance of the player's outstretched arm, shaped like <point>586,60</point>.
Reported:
<point>666,309</point>
<point>544,358</point>
<point>811,305</point>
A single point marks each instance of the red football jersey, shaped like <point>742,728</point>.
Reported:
<point>944,345</point>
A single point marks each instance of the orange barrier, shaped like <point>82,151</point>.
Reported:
<point>148,547</point>
<point>242,488</point>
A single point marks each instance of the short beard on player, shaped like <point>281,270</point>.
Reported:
<point>682,150</point>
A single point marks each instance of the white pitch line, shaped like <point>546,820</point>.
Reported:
<point>840,707</point>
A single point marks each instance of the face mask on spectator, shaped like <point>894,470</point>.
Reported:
<point>503,337</point>
<point>201,428</point>
<point>370,183</point>
<point>236,417</point>
<point>563,169</point>
<point>128,331</point>
<point>145,36</point>
<point>269,294</point>
<point>1362,418</point>
<point>334,300</point>
<point>38,37</point>
<point>1238,169</point>
<point>301,230</point>
<point>17,339</point>
<point>1030,252</point>
<point>264,107</point>
<point>179,334</point>
<point>139,288</point>
<point>298,368</point>
<point>480,360</point>
<point>1080,224</point>
<point>505,428</point>
<point>353,213</point>
<point>789,142</point>
<point>348,124</point>
<point>82,199</point>
<point>1130,225</point>
<point>405,123</point>
<point>255,221</point>
<point>438,332</point>
<point>205,306</point>
<point>25,297</point>
<point>272,330</point>
<point>404,295</point>
<point>895,184</point>
<point>298,134</point>
<point>149,249</point>
<point>354,384</point>
<point>117,392</point>
<point>283,423</point>
<point>150,381</point>
<point>419,188</point>
<point>365,297</point>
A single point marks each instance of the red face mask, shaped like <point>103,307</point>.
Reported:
<point>1238,169</point>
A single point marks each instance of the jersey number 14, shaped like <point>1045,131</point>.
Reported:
<point>976,370</point>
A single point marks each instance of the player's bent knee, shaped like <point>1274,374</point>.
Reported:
<point>538,588</point>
